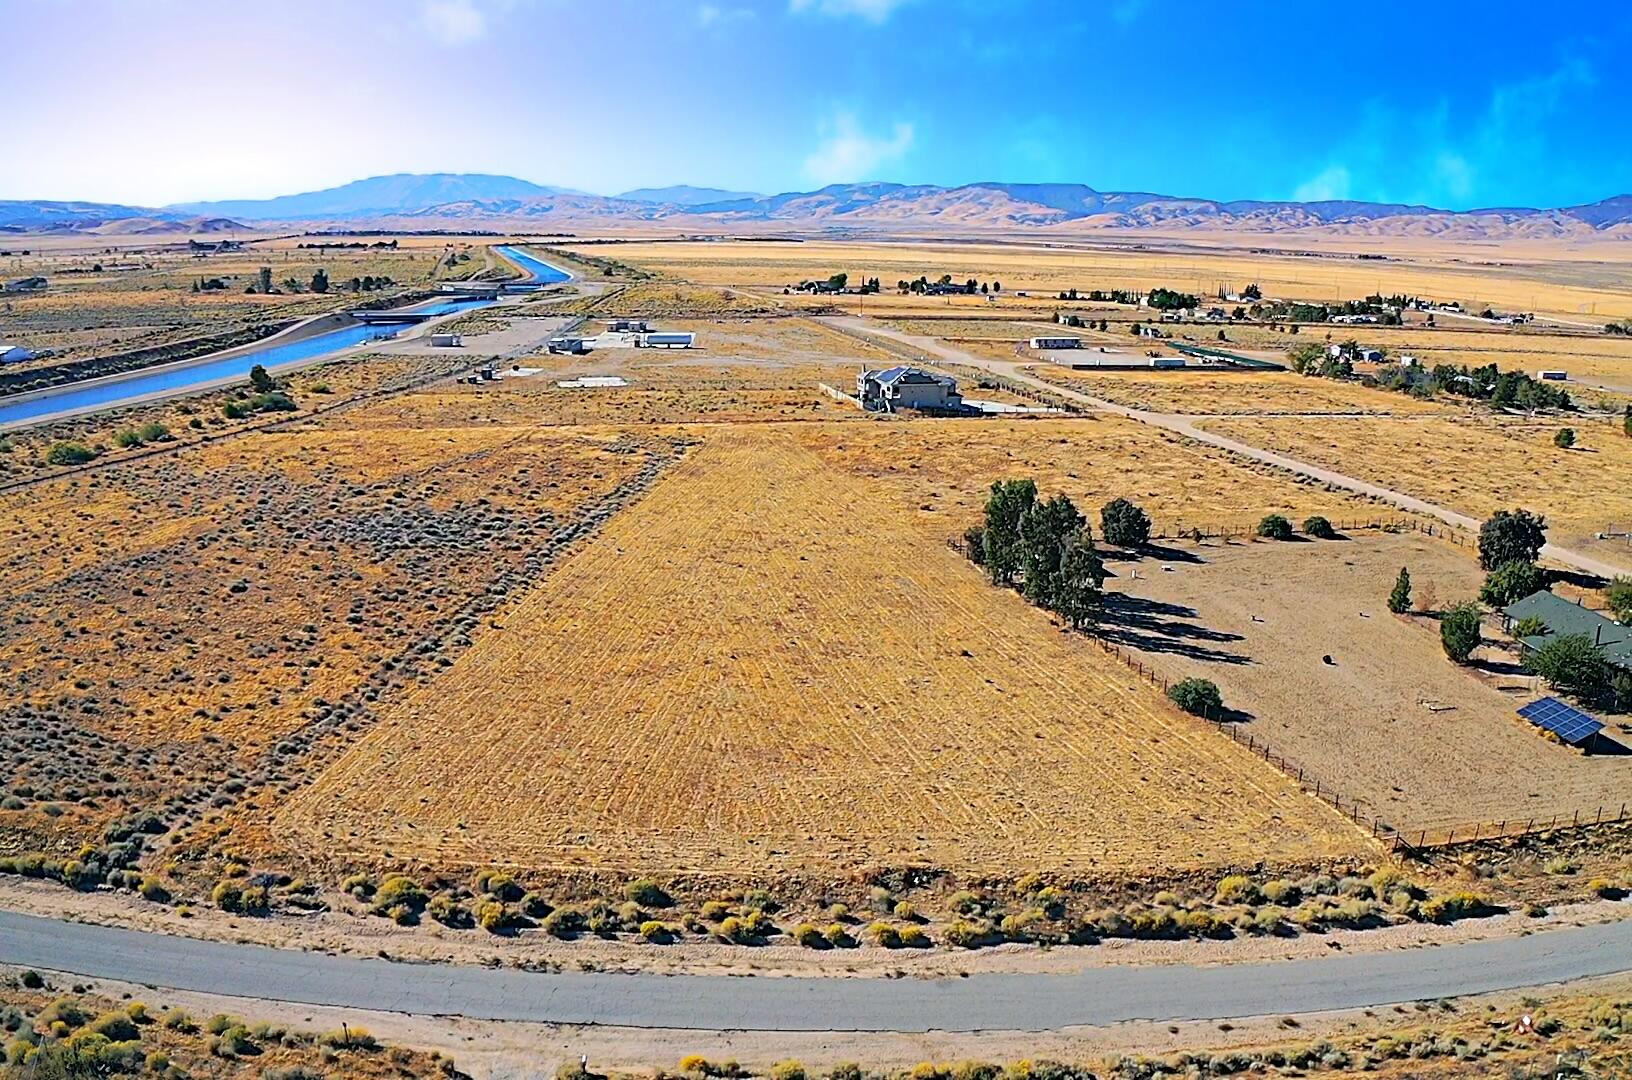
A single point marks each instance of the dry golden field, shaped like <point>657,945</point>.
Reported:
<point>1475,463</point>
<point>1554,281</point>
<point>766,665</point>
<point>1243,392</point>
<point>171,619</point>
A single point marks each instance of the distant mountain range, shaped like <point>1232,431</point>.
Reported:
<point>457,200</point>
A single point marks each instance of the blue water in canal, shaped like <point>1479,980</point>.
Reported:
<point>115,391</point>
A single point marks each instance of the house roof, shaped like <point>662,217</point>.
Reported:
<point>891,376</point>
<point>1563,617</point>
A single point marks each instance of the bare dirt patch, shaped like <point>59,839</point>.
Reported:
<point>1390,720</point>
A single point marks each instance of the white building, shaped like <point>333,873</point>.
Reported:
<point>1056,343</point>
<point>906,388</point>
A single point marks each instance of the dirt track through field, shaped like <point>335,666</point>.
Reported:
<point>764,665</point>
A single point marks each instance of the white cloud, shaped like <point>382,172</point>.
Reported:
<point>453,22</point>
<point>848,154</point>
<point>714,15</point>
<point>874,11</point>
<point>1331,183</point>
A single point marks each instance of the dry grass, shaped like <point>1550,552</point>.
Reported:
<point>1246,393</point>
<point>945,469</point>
<point>763,666</point>
<point>1552,281</point>
<point>1477,464</point>
<point>170,620</point>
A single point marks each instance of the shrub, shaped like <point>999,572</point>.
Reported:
<point>1459,631</point>
<point>33,980</point>
<point>647,893</point>
<point>696,1064</point>
<point>1236,889</point>
<point>220,1022</point>
<point>974,544</point>
<point>838,935</point>
<point>449,912</point>
<point>654,931</point>
<point>1280,891</point>
<point>152,431</point>
<point>913,937</point>
<point>809,936</point>
<point>1605,889</point>
<point>1561,865</point>
<point>399,890</point>
<point>1450,907</point>
<point>965,935</point>
<point>716,910</point>
<point>495,917</point>
<point>1199,697</point>
<point>499,885</point>
<point>1530,626</point>
<point>1124,524</point>
<point>115,1027</point>
<point>564,922</point>
<point>1275,527</point>
<point>126,438</point>
<point>178,1020</point>
<point>235,410</point>
<point>1319,528</point>
<point>69,453</point>
<point>906,911</point>
<point>1564,438</point>
<point>787,1070</point>
<point>885,935</point>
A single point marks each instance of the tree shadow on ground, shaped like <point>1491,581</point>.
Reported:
<point>1153,626</point>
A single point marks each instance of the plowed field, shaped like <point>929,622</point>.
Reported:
<point>766,664</point>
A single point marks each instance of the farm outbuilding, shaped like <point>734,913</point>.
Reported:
<point>907,388</point>
<point>1056,343</point>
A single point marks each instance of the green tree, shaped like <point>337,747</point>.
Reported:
<point>263,279</point>
<point>837,282</point>
<point>320,281</point>
<point>1047,529</point>
<point>1199,697</point>
<point>1275,527</point>
<point>1511,535</point>
<point>1007,503</point>
<point>1619,598</point>
<point>1459,631</point>
<point>1513,580</point>
<point>1565,438</point>
<point>1319,528</point>
<point>260,380</point>
<point>1399,600</point>
<point>1573,664</point>
<point>1079,588</point>
<point>1124,524</point>
<point>974,544</point>
<point>1305,358</point>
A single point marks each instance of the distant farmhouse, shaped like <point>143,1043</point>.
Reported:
<point>907,388</point>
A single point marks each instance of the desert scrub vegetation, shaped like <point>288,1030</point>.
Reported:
<point>51,1033</point>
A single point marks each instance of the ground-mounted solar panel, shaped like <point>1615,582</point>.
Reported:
<point>1562,719</point>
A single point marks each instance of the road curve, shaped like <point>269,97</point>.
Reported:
<point>1183,425</point>
<point>1016,1002</point>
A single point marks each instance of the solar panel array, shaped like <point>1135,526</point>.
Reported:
<point>1566,721</point>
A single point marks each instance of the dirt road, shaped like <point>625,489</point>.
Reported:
<point>934,349</point>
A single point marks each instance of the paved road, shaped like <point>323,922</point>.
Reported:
<point>723,1002</point>
<point>1184,425</point>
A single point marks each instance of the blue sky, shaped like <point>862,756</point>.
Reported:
<point>1454,105</point>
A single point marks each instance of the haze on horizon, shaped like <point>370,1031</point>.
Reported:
<point>155,103</point>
